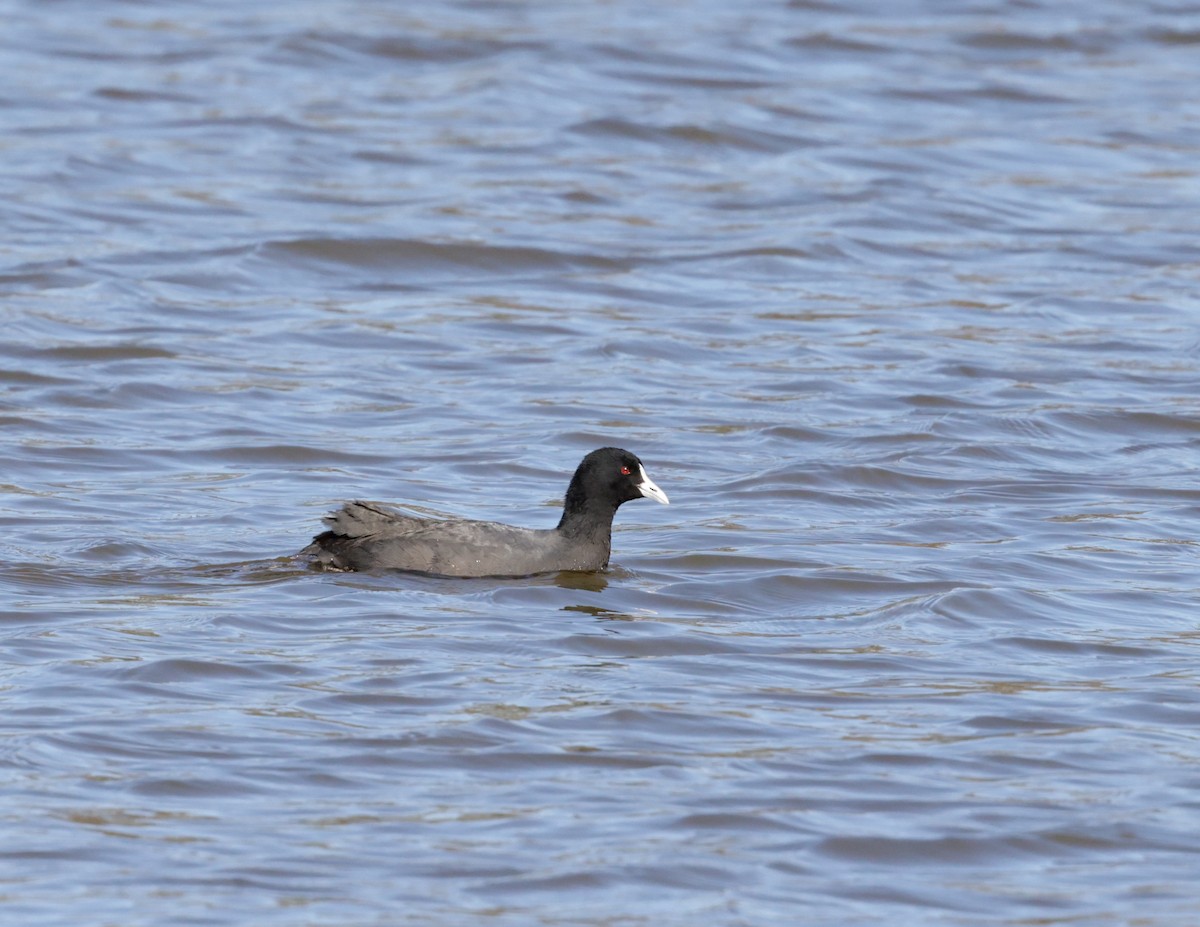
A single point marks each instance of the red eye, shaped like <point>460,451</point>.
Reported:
<point>625,471</point>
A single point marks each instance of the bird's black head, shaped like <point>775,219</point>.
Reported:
<point>606,478</point>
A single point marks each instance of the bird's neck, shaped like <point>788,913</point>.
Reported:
<point>587,518</point>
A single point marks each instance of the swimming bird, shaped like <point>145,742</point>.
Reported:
<point>370,535</point>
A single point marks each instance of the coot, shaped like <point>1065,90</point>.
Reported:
<point>368,535</point>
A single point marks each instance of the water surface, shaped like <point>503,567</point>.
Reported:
<point>898,305</point>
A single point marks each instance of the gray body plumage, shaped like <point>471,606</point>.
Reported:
<point>370,535</point>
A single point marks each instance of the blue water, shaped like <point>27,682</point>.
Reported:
<point>898,306</point>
